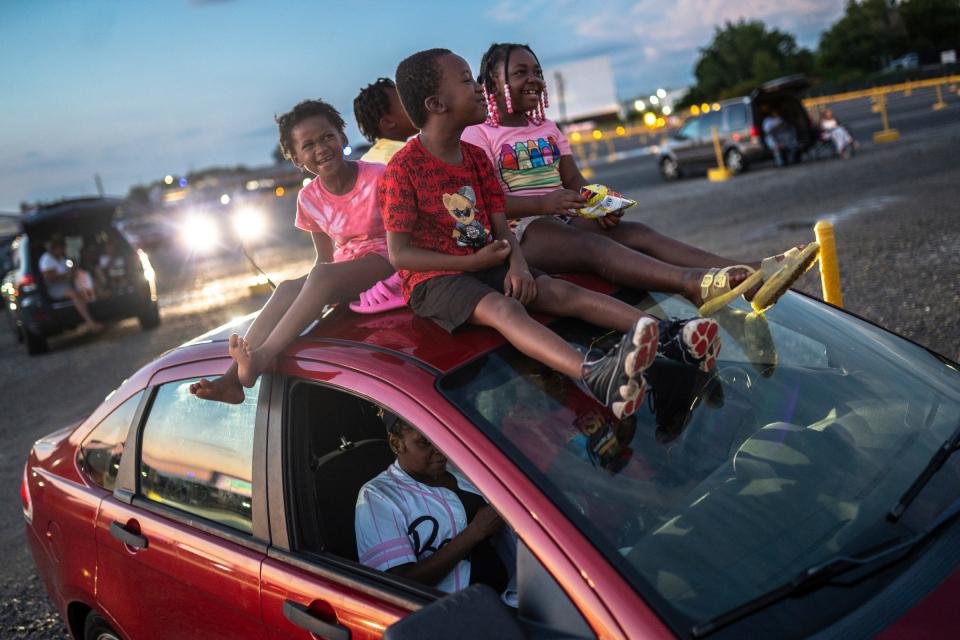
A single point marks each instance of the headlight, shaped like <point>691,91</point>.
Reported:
<point>249,223</point>
<point>199,233</point>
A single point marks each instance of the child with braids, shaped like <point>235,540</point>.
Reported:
<point>382,120</point>
<point>341,210</point>
<point>542,183</point>
<point>459,263</point>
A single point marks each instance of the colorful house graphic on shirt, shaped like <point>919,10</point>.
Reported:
<point>530,164</point>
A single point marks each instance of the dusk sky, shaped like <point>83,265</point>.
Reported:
<point>134,91</point>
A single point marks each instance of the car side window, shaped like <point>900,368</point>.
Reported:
<point>335,442</point>
<point>197,456</point>
<point>99,454</point>
<point>690,129</point>
<point>707,123</point>
<point>736,116</point>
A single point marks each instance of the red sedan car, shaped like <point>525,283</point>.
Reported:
<point>804,488</point>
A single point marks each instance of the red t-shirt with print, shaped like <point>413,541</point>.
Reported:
<point>445,208</point>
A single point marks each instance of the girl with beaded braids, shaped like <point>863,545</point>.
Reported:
<point>341,210</point>
<point>539,176</point>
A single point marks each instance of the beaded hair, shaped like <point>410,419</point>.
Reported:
<point>500,51</point>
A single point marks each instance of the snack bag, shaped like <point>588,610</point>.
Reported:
<point>602,202</point>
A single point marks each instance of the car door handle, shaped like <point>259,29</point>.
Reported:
<point>301,616</point>
<point>128,538</point>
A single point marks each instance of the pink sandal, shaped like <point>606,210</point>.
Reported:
<point>386,295</point>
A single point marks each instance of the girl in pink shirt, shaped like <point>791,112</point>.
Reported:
<point>542,183</point>
<point>341,210</point>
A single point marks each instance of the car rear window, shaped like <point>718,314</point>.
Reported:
<point>197,456</point>
<point>100,453</point>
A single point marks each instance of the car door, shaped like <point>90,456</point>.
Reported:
<point>312,590</point>
<point>308,590</point>
<point>181,540</point>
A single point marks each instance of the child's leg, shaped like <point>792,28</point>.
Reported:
<point>640,237</point>
<point>511,320</point>
<point>227,388</point>
<point>325,283</point>
<point>695,341</point>
<point>565,299</point>
<point>614,379</point>
<point>562,248</point>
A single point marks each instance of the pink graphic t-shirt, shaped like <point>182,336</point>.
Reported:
<point>525,159</point>
<point>352,220</point>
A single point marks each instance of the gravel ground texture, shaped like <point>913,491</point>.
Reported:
<point>897,218</point>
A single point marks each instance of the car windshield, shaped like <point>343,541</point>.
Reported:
<point>726,486</point>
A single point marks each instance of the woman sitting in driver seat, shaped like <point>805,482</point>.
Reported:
<point>420,520</point>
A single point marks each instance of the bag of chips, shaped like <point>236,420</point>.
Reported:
<point>602,202</point>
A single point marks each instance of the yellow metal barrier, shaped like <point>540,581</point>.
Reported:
<point>876,91</point>
<point>939,104</point>
<point>887,134</point>
<point>644,134</point>
<point>829,268</point>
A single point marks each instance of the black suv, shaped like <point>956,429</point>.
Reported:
<point>739,127</point>
<point>125,286</point>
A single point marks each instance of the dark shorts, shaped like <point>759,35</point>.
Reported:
<point>450,300</point>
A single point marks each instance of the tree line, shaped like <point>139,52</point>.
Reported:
<point>858,46</point>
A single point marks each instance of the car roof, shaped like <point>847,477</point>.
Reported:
<point>68,215</point>
<point>399,333</point>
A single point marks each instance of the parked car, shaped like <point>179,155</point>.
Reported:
<point>739,124</point>
<point>86,224</point>
<point>754,503</point>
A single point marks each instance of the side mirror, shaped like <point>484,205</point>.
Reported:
<point>476,613</point>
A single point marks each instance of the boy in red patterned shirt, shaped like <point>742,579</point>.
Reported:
<point>459,263</point>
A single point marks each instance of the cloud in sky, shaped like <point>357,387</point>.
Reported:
<point>133,91</point>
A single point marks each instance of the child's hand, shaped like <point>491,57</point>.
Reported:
<point>491,255</point>
<point>610,220</point>
<point>520,284</point>
<point>563,202</point>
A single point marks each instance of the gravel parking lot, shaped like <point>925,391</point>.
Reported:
<point>897,217</point>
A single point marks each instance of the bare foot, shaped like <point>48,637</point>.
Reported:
<point>737,276</point>
<point>94,327</point>
<point>248,365</point>
<point>692,290</point>
<point>226,388</point>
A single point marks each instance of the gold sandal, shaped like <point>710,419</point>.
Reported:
<point>779,275</point>
<point>715,289</point>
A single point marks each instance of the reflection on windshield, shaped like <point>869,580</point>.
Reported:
<point>793,451</point>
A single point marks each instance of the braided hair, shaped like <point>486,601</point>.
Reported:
<point>304,110</point>
<point>370,105</point>
<point>498,56</point>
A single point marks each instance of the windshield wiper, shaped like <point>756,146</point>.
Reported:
<point>949,446</point>
<point>821,575</point>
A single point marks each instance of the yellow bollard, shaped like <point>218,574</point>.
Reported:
<point>829,268</point>
<point>720,173</point>
<point>887,134</point>
<point>939,104</point>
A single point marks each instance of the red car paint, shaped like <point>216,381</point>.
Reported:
<point>192,583</point>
